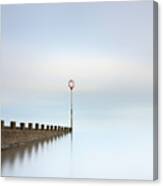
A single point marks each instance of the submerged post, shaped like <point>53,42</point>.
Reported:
<point>71,85</point>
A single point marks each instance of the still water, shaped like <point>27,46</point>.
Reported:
<point>114,151</point>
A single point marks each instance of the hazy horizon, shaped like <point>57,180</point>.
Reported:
<point>104,48</point>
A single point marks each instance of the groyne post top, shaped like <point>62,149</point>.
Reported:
<point>55,127</point>
<point>42,127</point>
<point>13,124</point>
<point>51,127</point>
<point>22,125</point>
<point>36,126</point>
<point>30,125</point>
<point>2,124</point>
<point>47,127</point>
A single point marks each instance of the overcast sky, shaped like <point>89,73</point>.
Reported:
<point>106,49</point>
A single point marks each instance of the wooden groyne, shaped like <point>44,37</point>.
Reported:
<point>15,136</point>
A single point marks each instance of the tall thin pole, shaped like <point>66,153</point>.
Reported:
<point>71,85</point>
<point>71,109</point>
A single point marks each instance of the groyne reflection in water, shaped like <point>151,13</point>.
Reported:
<point>19,155</point>
<point>98,153</point>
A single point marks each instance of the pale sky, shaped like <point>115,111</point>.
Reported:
<point>105,47</point>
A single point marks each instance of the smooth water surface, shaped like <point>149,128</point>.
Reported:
<point>113,151</point>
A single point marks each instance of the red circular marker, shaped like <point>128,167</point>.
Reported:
<point>71,84</point>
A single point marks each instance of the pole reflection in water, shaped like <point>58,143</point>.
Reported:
<point>71,146</point>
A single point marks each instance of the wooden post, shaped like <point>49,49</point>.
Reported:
<point>13,124</point>
<point>51,127</point>
<point>42,127</point>
<point>47,127</point>
<point>2,124</point>
<point>36,126</point>
<point>22,125</point>
<point>55,127</point>
<point>30,126</point>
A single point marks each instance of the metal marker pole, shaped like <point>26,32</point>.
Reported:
<point>71,85</point>
<point>71,109</point>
